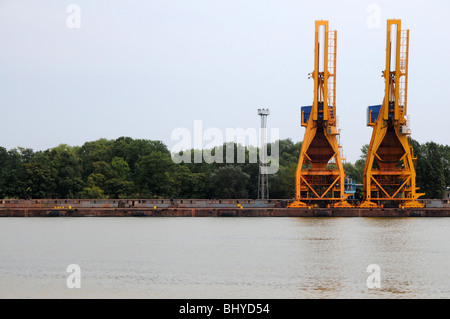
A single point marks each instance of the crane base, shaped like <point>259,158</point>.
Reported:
<point>297,204</point>
<point>368,204</point>
<point>343,204</point>
<point>411,204</point>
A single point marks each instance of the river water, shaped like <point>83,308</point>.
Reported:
<point>197,257</point>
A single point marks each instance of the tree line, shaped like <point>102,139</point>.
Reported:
<point>139,168</point>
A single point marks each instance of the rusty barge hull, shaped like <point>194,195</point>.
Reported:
<point>224,212</point>
<point>197,208</point>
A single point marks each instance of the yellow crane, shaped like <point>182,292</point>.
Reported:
<point>389,174</point>
<point>320,177</point>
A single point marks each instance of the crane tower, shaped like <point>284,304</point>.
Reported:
<point>320,176</point>
<point>389,173</point>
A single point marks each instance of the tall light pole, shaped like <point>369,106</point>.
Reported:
<point>263,180</point>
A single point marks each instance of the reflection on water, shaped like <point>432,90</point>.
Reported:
<point>224,257</point>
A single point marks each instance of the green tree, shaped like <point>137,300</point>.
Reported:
<point>430,170</point>
<point>126,167</point>
<point>12,172</point>
<point>120,167</point>
<point>117,184</point>
<point>92,189</point>
<point>289,152</point>
<point>185,184</point>
<point>152,174</point>
<point>66,163</point>
<point>138,148</point>
<point>356,171</point>
<point>282,184</point>
<point>229,182</point>
<point>38,180</point>
<point>445,151</point>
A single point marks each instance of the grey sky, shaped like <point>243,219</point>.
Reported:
<point>144,68</point>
